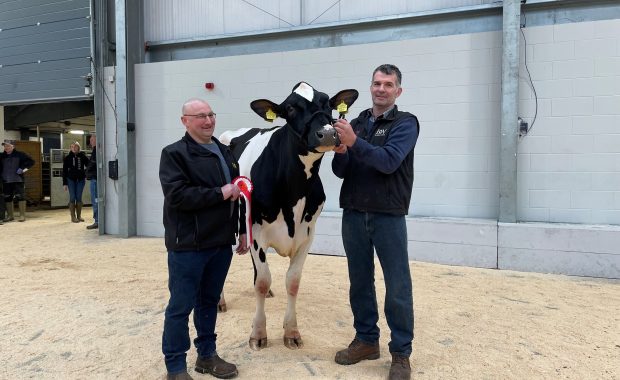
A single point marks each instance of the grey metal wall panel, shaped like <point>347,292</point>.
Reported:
<point>80,63</point>
<point>59,35</point>
<point>172,19</point>
<point>9,23</point>
<point>44,50</point>
<point>25,8</point>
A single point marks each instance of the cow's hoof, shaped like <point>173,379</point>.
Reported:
<point>221,308</point>
<point>293,343</point>
<point>258,344</point>
<point>269,294</point>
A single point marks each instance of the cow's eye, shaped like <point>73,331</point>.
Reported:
<point>291,112</point>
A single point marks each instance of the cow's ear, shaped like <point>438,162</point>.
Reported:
<point>266,109</point>
<point>343,100</point>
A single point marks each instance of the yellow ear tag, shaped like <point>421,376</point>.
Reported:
<point>270,115</point>
<point>342,107</point>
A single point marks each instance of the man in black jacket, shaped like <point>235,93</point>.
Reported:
<point>201,218</point>
<point>2,203</point>
<point>375,160</point>
<point>14,165</point>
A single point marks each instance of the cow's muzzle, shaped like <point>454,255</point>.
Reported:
<point>328,137</point>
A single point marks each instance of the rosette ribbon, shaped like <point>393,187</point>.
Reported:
<point>245,186</point>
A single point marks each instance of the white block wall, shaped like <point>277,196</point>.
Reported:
<point>569,165</point>
<point>451,83</point>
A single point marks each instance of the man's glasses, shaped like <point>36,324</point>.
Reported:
<point>204,115</point>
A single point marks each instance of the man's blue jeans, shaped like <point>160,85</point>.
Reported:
<point>387,234</point>
<point>195,281</point>
<point>93,199</point>
<point>76,188</point>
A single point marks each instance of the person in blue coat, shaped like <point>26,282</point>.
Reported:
<point>375,161</point>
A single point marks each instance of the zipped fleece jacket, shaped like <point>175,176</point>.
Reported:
<point>196,216</point>
<point>74,167</point>
<point>364,187</point>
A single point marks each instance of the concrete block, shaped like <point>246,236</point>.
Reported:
<point>605,181</point>
<point>572,106</point>
<point>577,68</point>
<point>607,143</point>
<point>596,86</point>
<point>572,144</point>
<point>596,48</point>
<point>558,262</point>
<point>549,198</point>
<point>573,31</point>
<point>607,105</point>
<point>557,51</point>
<point>605,67</point>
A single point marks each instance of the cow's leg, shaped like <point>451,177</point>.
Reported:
<point>262,284</point>
<point>292,337</point>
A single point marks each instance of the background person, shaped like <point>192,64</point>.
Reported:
<point>91,175</point>
<point>2,203</point>
<point>14,165</point>
<point>201,218</point>
<point>375,160</point>
<point>74,179</point>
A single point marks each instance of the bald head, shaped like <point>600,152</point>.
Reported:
<point>191,104</point>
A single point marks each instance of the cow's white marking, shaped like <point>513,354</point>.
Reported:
<point>275,235</point>
<point>255,147</point>
<point>304,90</point>
<point>308,160</point>
<point>226,137</point>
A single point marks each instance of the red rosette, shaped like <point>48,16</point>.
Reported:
<point>245,186</point>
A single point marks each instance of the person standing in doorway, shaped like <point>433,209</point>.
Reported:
<point>201,219</point>
<point>375,159</point>
<point>91,175</point>
<point>2,203</point>
<point>74,179</point>
<point>14,165</point>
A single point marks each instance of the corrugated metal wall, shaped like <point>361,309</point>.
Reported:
<point>44,50</point>
<point>179,19</point>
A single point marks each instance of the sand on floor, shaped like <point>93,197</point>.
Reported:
<point>76,305</point>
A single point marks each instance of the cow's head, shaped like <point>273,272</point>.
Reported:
<point>308,114</point>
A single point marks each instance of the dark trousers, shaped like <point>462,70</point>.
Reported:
<point>2,203</point>
<point>14,190</point>
<point>362,234</point>
<point>93,199</point>
<point>195,281</point>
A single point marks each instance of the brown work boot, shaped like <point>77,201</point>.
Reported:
<point>400,368</point>
<point>217,367</point>
<point>356,352</point>
<point>179,376</point>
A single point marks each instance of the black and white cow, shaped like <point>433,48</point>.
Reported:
<point>283,163</point>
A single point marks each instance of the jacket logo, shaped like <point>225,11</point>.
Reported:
<point>380,132</point>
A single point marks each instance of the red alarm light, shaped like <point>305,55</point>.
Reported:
<point>209,86</point>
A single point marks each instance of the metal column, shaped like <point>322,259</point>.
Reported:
<point>126,137</point>
<point>510,108</point>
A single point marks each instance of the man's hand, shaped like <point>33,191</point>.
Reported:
<point>65,187</point>
<point>345,134</point>
<point>340,149</point>
<point>230,191</point>
<point>243,246</point>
